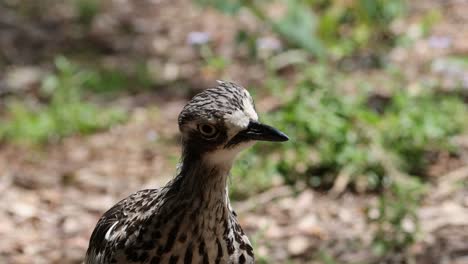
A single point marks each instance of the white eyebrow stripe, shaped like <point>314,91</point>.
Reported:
<point>238,118</point>
<point>249,109</point>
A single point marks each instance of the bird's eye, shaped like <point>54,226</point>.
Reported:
<point>207,130</point>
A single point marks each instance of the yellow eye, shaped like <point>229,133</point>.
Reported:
<point>207,130</point>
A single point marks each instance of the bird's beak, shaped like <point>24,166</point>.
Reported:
<point>262,132</point>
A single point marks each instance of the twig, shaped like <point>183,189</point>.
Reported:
<point>446,184</point>
<point>341,182</point>
<point>263,198</point>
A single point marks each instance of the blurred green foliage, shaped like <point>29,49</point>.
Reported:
<point>325,28</point>
<point>65,114</point>
<point>363,24</point>
<point>87,9</point>
<point>213,62</point>
<point>397,220</point>
<point>101,80</point>
<point>299,27</point>
<point>333,132</point>
<point>32,9</point>
<point>346,140</point>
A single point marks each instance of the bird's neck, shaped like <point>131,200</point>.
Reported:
<point>202,179</point>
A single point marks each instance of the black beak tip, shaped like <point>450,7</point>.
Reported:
<point>273,134</point>
<point>282,137</point>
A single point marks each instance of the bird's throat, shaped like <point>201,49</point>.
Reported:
<point>201,179</point>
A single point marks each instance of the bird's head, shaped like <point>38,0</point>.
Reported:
<point>219,122</point>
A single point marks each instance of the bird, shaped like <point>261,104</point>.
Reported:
<point>190,219</point>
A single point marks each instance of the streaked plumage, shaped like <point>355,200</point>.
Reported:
<point>190,220</point>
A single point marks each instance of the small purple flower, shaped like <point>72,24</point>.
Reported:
<point>440,42</point>
<point>198,38</point>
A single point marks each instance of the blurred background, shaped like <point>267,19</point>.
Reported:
<point>372,93</point>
